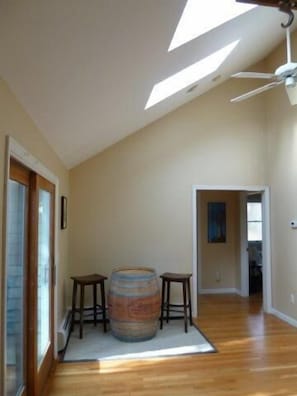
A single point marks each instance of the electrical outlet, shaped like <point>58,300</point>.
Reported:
<point>292,298</point>
<point>218,276</point>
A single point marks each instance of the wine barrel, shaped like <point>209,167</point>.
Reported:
<point>134,303</point>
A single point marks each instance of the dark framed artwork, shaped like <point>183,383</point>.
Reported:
<point>63,212</point>
<point>216,221</point>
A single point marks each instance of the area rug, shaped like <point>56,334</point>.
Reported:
<point>171,341</point>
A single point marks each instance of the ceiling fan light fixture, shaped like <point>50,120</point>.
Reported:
<point>290,82</point>
<point>292,95</point>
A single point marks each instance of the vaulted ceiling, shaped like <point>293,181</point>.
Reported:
<point>84,70</point>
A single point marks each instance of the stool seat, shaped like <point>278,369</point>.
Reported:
<point>174,277</point>
<point>167,278</point>
<point>82,281</point>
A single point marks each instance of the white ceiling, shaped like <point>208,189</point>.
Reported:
<point>84,69</point>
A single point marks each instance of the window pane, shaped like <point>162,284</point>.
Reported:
<point>43,307</point>
<point>15,290</point>
<point>254,211</point>
<point>255,231</point>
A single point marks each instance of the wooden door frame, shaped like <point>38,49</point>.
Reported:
<point>21,175</point>
<point>16,151</point>
<point>196,257</point>
<point>37,375</point>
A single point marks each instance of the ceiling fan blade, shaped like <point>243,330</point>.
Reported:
<point>269,76</point>
<point>292,94</point>
<point>256,91</point>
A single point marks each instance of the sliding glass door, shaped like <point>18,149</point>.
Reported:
<point>29,282</point>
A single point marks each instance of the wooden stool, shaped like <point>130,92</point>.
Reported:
<point>83,281</point>
<point>167,278</point>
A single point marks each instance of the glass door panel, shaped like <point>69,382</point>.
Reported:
<point>15,287</point>
<point>43,275</point>
<point>44,296</point>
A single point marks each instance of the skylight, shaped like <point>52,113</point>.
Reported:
<point>201,16</point>
<point>189,75</point>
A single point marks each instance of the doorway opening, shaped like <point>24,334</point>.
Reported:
<point>222,272</point>
<point>255,242</point>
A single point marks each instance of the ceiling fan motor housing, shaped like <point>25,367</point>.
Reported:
<point>286,70</point>
<point>287,73</point>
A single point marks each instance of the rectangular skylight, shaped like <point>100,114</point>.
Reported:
<point>199,17</point>
<point>189,75</point>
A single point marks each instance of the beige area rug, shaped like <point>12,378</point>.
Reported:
<point>171,341</point>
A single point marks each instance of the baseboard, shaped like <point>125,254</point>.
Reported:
<point>64,330</point>
<point>285,318</point>
<point>219,291</point>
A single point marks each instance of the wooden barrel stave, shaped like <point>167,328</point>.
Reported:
<point>134,303</point>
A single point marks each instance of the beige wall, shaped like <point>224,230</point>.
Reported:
<point>282,177</point>
<point>220,262</point>
<point>131,205</point>
<point>14,121</point>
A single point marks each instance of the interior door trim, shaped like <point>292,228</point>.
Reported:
<point>267,291</point>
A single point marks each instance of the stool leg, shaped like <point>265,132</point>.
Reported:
<point>168,301</point>
<point>185,306</point>
<point>74,290</point>
<point>95,303</point>
<point>103,305</point>
<point>81,310</point>
<point>162,303</point>
<point>190,304</point>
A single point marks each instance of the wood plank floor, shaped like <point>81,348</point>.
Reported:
<point>257,356</point>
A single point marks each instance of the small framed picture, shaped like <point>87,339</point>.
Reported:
<point>63,212</point>
<point>216,222</point>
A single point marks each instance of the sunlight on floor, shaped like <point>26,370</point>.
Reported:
<point>275,368</point>
<point>238,341</point>
<point>259,394</point>
<point>281,392</point>
<point>182,350</point>
<point>124,366</point>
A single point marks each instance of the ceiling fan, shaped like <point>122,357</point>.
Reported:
<point>285,74</point>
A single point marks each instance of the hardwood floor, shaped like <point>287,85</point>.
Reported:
<point>257,356</point>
